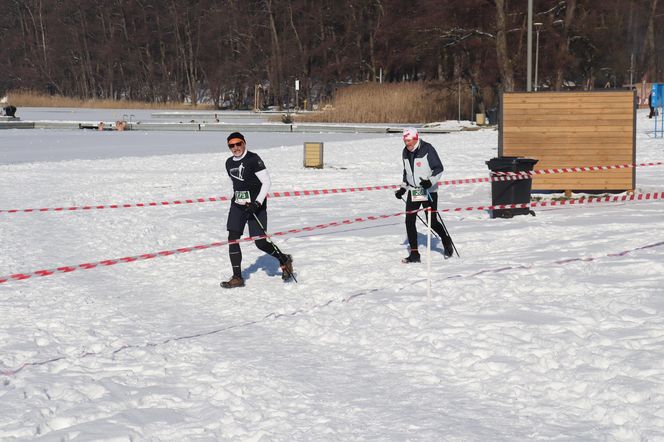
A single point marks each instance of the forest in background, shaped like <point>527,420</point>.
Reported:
<point>239,54</point>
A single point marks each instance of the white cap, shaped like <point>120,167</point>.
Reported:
<point>410,133</point>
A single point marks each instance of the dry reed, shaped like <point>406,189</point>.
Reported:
<point>404,103</point>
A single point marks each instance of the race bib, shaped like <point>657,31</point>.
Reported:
<point>242,197</point>
<point>418,194</point>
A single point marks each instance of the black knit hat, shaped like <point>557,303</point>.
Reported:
<point>235,135</point>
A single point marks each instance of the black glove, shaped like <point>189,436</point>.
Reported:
<point>425,183</point>
<point>252,207</point>
<point>399,193</point>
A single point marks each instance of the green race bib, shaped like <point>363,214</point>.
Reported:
<point>418,194</point>
<point>242,197</point>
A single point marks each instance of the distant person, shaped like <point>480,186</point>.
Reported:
<point>652,109</point>
<point>7,108</point>
<point>251,183</point>
<point>422,169</point>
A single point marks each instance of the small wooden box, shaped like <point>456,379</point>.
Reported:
<point>313,155</point>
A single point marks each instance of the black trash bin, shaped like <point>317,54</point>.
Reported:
<point>492,115</point>
<point>510,191</point>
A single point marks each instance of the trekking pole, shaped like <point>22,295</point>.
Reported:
<point>273,245</point>
<point>424,222</point>
<point>440,218</point>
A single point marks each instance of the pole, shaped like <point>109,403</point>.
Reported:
<point>429,255</point>
<point>472,103</point>
<point>442,223</point>
<point>529,67</point>
<point>267,237</point>
<point>459,95</point>
<point>537,26</point>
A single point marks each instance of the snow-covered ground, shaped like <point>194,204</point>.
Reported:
<point>520,340</point>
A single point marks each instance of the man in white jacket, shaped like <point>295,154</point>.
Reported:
<point>422,169</point>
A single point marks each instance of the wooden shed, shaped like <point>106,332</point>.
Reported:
<point>572,129</point>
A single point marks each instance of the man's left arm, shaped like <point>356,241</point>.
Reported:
<point>255,205</point>
<point>266,183</point>
<point>435,165</point>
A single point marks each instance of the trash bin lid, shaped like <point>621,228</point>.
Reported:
<point>509,163</point>
<point>526,163</point>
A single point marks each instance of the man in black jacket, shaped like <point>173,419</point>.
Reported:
<point>422,169</point>
<point>251,183</point>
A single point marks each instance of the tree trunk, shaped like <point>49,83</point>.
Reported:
<point>563,45</point>
<point>648,56</point>
<point>275,71</point>
<point>502,54</point>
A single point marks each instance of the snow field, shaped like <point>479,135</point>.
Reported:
<point>515,344</point>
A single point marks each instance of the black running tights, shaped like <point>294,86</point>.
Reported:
<point>235,253</point>
<point>411,220</point>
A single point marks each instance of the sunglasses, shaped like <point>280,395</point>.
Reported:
<point>238,144</point>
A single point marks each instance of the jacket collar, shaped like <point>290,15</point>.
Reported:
<point>417,147</point>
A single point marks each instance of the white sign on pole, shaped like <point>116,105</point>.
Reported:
<point>297,85</point>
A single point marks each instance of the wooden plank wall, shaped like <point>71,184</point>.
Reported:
<point>572,129</point>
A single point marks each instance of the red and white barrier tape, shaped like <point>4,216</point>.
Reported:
<point>571,202</point>
<point>574,169</point>
<point>498,176</point>
<point>284,194</point>
<point>119,206</point>
<point>146,256</point>
<point>292,193</point>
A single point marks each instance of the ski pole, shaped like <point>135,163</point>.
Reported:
<point>440,218</point>
<point>424,222</point>
<point>273,245</point>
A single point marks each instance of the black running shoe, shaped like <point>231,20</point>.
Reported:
<point>413,257</point>
<point>449,251</point>
<point>287,268</point>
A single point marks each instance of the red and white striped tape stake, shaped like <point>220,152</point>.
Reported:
<point>497,176</point>
<point>146,256</point>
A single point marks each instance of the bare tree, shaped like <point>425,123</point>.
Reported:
<point>502,50</point>
<point>221,50</point>
<point>562,52</point>
<point>648,60</point>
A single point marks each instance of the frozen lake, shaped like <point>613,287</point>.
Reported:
<point>30,145</point>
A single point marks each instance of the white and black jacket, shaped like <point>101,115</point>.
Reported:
<point>421,163</point>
